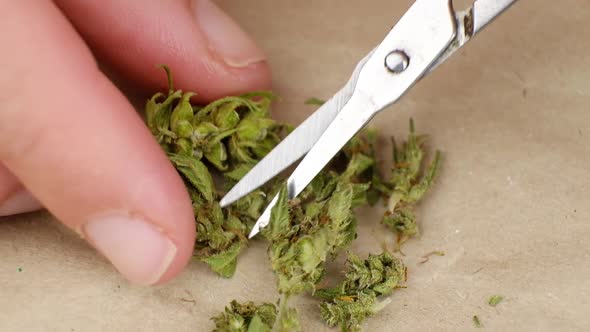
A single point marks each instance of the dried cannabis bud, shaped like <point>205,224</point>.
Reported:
<point>249,317</point>
<point>246,317</point>
<point>356,298</point>
<point>221,140</point>
<point>408,184</point>
<point>305,232</point>
<point>361,153</point>
<point>214,146</point>
<point>308,230</point>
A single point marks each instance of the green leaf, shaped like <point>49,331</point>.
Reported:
<point>205,129</point>
<point>184,147</point>
<point>358,164</point>
<point>279,216</point>
<point>257,325</point>
<point>227,117</point>
<point>419,190</point>
<point>340,205</point>
<point>239,172</point>
<point>182,113</point>
<point>217,155</point>
<point>225,262</point>
<point>253,128</point>
<point>196,173</point>
<point>152,109</point>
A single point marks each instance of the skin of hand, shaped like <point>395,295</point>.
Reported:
<point>72,143</point>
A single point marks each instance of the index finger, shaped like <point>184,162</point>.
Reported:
<point>207,51</point>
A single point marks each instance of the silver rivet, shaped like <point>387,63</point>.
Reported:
<point>397,61</point>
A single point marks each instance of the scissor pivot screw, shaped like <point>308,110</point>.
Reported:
<point>397,61</point>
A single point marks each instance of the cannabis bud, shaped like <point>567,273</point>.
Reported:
<point>356,298</point>
<point>213,146</point>
<point>223,139</point>
<point>408,184</point>
<point>246,317</point>
<point>305,232</point>
<point>249,317</point>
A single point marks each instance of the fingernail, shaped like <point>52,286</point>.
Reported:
<point>19,202</point>
<point>225,37</point>
<point>137,249</point>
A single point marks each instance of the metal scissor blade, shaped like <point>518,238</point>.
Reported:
<point>354,116</point>
<point>470,22</point>
<point>378,86</point>
<point>296,144</point>
<point>299,142</point>
<point>485,11</point>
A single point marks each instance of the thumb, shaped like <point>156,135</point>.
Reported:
<point>76,144</point>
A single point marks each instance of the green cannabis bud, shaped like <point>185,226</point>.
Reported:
<point>356,298</point>
<point>213,146</point>
<point>246,317</point>
<point>306,231</point>
<point>249,317</point>
<point>223,139</point>
<point>409,184</point>
<point>363,166</point>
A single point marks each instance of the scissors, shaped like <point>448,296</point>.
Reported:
<point>425,37</point>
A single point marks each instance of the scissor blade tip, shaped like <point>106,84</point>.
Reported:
<point>253,233</point>
<point>225,201</point>
<point>230,197</point>
<point>234,194</point>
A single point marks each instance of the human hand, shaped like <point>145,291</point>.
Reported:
<point>72,143</point>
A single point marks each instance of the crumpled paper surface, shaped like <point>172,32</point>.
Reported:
<point>511,113</point>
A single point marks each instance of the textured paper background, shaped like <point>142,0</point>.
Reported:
<point>511,112</point>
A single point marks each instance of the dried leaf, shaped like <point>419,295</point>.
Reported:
<point>225,262</point>
<point>196,173</point>
<point>495,300</point>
